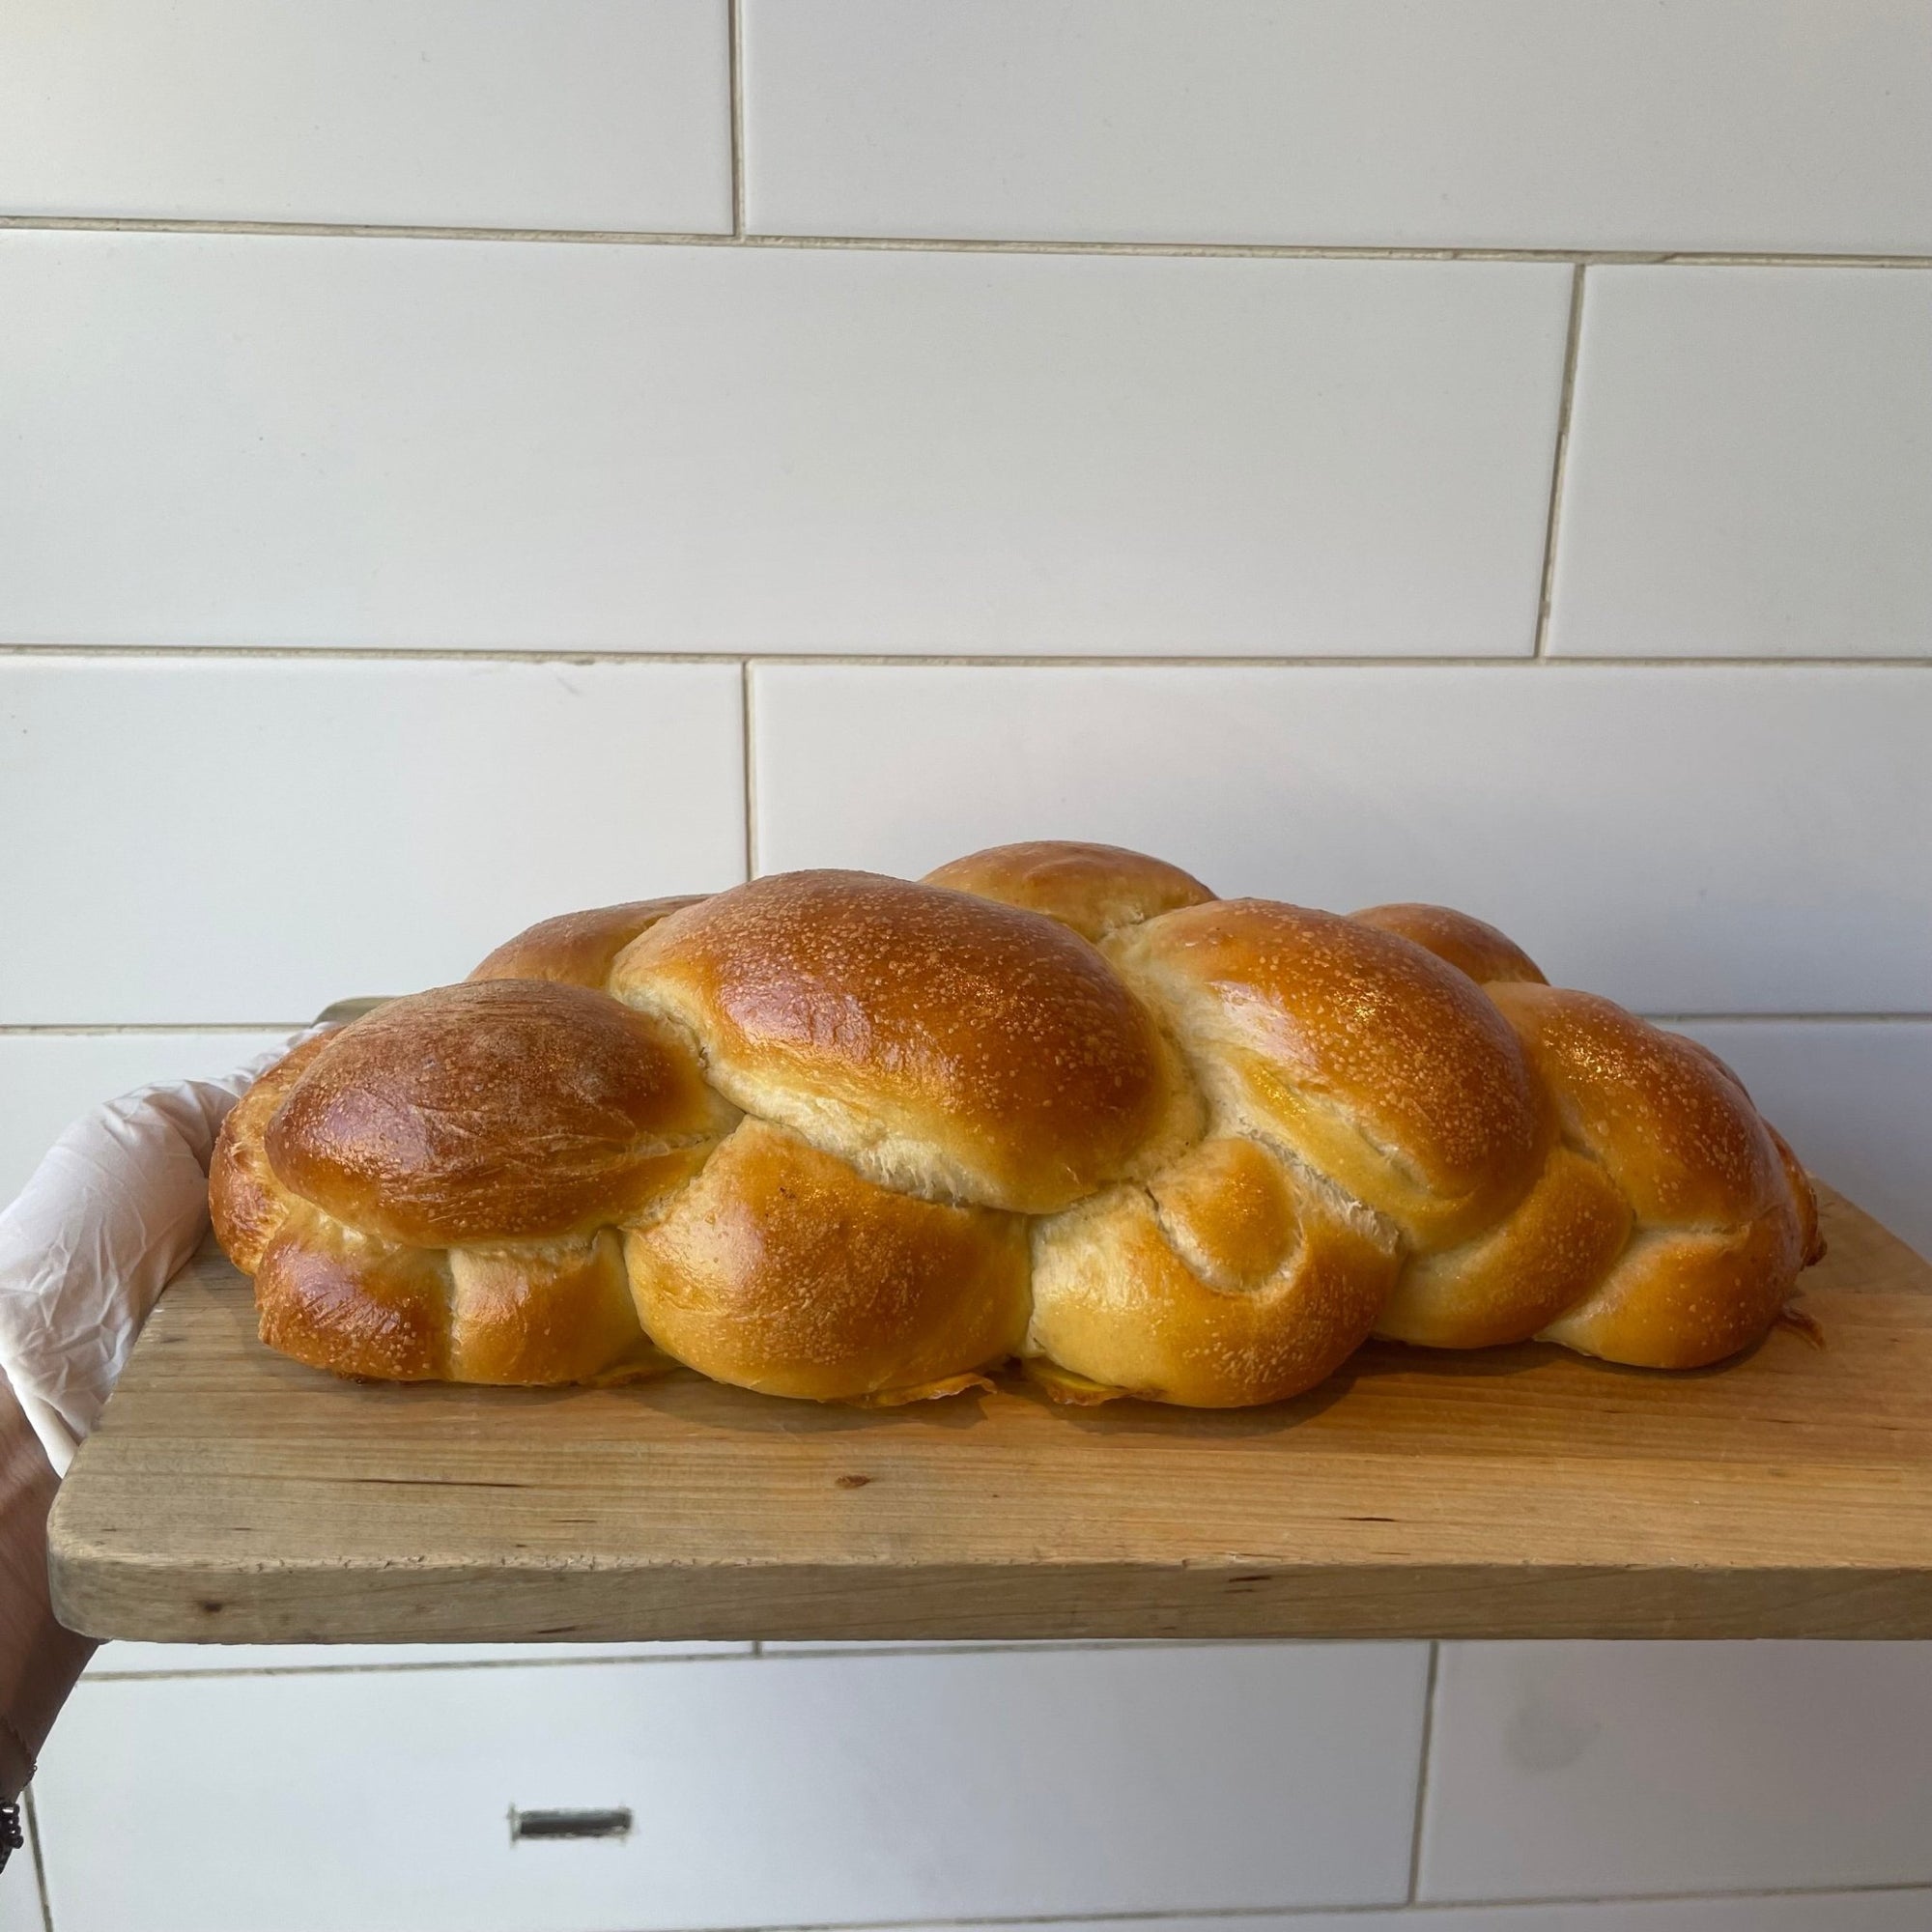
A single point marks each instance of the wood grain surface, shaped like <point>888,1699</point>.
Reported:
<point>231,1495</point>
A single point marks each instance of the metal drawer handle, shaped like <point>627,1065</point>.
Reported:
<point>612,1823</point>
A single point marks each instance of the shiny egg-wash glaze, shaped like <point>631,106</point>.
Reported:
<point>851,1137</point>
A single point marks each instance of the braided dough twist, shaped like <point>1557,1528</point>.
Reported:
<point>851,1137</point>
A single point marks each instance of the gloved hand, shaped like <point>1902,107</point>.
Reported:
<point>117,1206</point>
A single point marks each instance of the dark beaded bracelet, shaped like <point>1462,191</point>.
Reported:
<point>12,1838</point>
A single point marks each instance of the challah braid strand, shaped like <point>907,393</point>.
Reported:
<point>1585,1178</point>
<point>848,1138</point>
<point>1722,1217</point>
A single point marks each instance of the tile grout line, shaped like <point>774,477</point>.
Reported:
<point>747,754</point>
<point>1565,405</point>
<point>724,659</point>
<point>735,35</point>
<point>960,245</point>
<point>91,1029</point>
<point>1907,1016</point>
<point>1244,1914</point>
<point>1422,1770</point>
<point>1233,1915</point>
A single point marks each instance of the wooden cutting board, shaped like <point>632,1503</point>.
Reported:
<point>231,1495</point>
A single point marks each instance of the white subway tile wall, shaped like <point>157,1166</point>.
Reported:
<point>1896,1909</point>
<point>1854,1094</point>
<point>370,590</point>
<point>1686,839</point>
<point>810,1790</point>
<point>20,1897</point>
<point>1750,466</point>
<point>543,445</point>
<point>1676,1767</point>
<point>51,1079</point>
<point>1510,123</point>
<point>199,839</point>
<point>515,114</point>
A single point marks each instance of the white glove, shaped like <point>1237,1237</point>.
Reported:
<point>117,1206</point>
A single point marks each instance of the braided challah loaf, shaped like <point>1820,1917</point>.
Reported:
<point>851,1137</point>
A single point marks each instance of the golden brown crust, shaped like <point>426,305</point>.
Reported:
<point>1199,1156</point>
<point>502,1111</point>
<point>1719,1241</point>
<point>957,1047</point>
<point>1227,1210</point>
<point>1803,1199</point>
<point>1375,1062</point>
<point>245,1201</point>
<point>1512,1281</point>
<point>1472,946</point>
<point>1685,1300</point>
<point>558,1313</point>
<point>340,1300</point>
<point>577,949</point>
<point>1671,1124</point>
<point>1093,889</point>
<point>782,1268</point>
<point>1125,1298</point>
